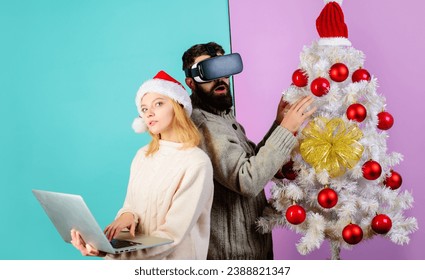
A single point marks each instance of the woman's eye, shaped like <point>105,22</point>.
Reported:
<point>158,103</point>
<point>144,110</point>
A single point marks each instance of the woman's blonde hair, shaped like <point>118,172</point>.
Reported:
<point>186,130</point>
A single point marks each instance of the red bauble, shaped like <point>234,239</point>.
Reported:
<point>299,78</point>
<point>338,72</point>
<point>327,198</point>
<point>393,181</point>
<point>360,75</point>
<point>371,170</point>
<point>288,171</point>
<point>295,214</point>
<point>279,174</point>
<point>381,224</point>
<point>356,112</point>
<point>352,234</point>
<point>290,175</point>
<point>385,120</point>
<point>320,86</point>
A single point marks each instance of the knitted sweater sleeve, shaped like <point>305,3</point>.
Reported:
<point>234,167</point>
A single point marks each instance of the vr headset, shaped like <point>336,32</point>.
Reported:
<point>216,67</point>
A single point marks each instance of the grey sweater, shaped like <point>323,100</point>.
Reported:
<point>241,171</point>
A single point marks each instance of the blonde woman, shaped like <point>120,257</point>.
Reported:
<point>170,190</point>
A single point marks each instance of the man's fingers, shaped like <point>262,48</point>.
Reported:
<point>300,102</point>
<point>309,113</point>
<point>304,102</point>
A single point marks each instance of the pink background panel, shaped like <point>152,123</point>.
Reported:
<point>270,34</point>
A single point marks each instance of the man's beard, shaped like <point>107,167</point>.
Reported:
<point>220,102</point>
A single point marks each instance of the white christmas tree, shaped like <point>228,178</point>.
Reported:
<point>339,184</point>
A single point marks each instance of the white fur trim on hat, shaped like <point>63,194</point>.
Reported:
<point>163,84</point>
<point>338,1</point>
<point>334,41</point>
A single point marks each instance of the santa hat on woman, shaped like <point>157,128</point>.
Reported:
<point>166,85</point>
<point>331,26</point>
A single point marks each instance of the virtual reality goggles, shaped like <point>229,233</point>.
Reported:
<point>215,67</point>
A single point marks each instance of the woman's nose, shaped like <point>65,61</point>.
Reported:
<point>150,112</point>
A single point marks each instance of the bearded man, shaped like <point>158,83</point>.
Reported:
<point>241,168</point>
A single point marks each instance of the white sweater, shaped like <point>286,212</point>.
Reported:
<point>170,193</point>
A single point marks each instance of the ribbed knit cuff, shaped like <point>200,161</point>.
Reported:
<point>282,139</point>
<point>272,128</point>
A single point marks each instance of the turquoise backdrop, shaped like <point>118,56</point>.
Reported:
<point>69,72</point>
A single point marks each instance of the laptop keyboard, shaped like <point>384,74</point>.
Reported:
<point>117,243</point>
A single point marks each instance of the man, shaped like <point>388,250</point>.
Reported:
<point>241,169</point>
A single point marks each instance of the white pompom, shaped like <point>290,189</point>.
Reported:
<point>139,125</point>
<point>338,1</point>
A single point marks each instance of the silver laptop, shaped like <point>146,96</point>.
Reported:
<point>69,211</point>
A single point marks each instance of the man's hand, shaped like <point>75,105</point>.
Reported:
<point>281,110</point>
<point>297,114</point>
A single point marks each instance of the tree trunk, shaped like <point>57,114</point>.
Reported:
<point>335,250</point>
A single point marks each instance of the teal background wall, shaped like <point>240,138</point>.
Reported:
<point>69,72</point>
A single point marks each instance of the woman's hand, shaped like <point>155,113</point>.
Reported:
<point>297,114</point>
<point>126,220</point>
<point>83,247</point>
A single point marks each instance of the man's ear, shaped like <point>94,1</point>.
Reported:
<point>190,83</point>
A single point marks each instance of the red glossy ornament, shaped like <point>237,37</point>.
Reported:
<point>352,234</point>
<point>360,75</point>
<point>371,170</point>
<point>327,198</point>
<point>279,174</point>
<point>385,120</point>
<point>356,112</point>
<point>393,181</point>
<point>381,224</point>
<point>295,214</point>
<point>338,72</point>
<point>290,175</point>
<point>288,171</point>
<point>299,78</point>
<point>320,86</point>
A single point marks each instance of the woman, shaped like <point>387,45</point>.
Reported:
<point>170,190</point>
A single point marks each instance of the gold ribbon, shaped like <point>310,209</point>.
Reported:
<point>331,145</point>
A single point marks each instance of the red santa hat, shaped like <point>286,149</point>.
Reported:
<point>331,26</point>
<point>166,85</point>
